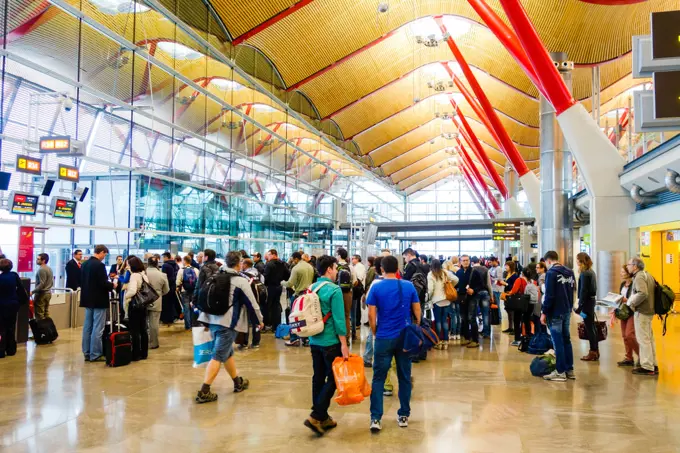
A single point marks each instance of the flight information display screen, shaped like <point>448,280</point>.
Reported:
<point>23,203</point>
<point>63,208</point>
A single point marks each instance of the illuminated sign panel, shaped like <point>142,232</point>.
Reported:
<point>29,165</point>
<point>61,144</point>
<point>63,208</point>
<point>505,231</point>
<point>23,203</point>
<point>69,173</point>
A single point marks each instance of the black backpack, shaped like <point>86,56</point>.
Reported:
<point>664,298</point>
<point>214,294</point>
<point>344,278</point>
<point>258,288</point>
<point>420,282</point>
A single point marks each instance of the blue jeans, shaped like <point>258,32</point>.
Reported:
<point>497,298</point>
<point>384,350</point>
<point>559,331</point>
<point>455,318</point>
<point>485,305</point>
<point>186,310</point>
<point>223,346</point>
<point>368,353</point>
<point>441,322</point>
<point>93,331</point>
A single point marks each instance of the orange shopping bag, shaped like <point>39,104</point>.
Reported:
<point>350,380</point>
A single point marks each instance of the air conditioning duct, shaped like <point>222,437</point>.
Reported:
<point>673,181</point>
<point>638,196</point>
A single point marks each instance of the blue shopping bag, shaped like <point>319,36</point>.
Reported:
<point>203,345</point>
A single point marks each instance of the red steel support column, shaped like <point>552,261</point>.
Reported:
<point>555,90</point>
<point>480,179</point>
<point>508,38</point>
<point>269,136</point>
<point>271,21</point>
<point>474,191</point>
<point>473,141</point>
<point>511,152</point>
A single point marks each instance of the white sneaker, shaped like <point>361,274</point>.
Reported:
<point>387,392</point>
<point>457,337</point>
<point>555,376</point>
<point>376,426</point>
<point>402,421</point>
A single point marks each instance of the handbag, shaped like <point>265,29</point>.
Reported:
<point>145,297</point>
<point>600,329</point>
<point>623,312</point>
<point>450,291</point>
<point>495,315</point>
<point>518,302</point>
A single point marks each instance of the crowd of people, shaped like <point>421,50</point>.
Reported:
<point>462,294</point>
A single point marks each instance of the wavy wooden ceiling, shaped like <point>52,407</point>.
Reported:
<point>378,97</point>
<point>373,94</point>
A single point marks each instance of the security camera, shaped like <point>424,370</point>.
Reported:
<point>67,102</point>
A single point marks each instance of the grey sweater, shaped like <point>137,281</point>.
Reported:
<point>44,280</point>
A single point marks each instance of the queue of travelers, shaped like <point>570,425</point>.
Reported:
<point>394,300</point>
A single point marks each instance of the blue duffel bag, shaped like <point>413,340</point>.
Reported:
<point>542,365</point>
<point>540,343</point>
<point>282,332</point>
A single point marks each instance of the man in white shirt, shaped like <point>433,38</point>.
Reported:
<point>496,275</point>
<point>358,289</point>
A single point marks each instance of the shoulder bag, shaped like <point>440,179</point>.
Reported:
<point>145,296</point>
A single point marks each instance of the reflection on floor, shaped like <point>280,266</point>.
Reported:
<point>464,401</point>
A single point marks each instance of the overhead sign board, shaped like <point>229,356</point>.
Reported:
<point>63,208</point>
<point>667,94</point>
<point>23,203</point>
<point>68,173</point>
<point>505,231</point>
<point>28,165</point>
<point>55,144</point>
<point>666,34</point>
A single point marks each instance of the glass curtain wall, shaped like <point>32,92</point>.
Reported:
<point>447,200</point>
<point>179,148</point>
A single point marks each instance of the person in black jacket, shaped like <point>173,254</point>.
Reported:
<point>94,297</point>
<point>170,301</point>
<point>587,293</point>
<point>275,272</point>
<point>464,274</point>
<point>73,272</point>
<point>12,295</point>
<point>258,263</point>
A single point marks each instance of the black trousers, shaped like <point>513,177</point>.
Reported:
<point>521,319</point>
<point>323,381</point>
<point>8,325</point>
<point>139,334</point>
<point>274,305</point>
<point>591,331</point>
<point>472,303</point>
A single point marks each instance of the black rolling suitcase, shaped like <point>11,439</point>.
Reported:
<point>44,331</point>
<point>116,340</point>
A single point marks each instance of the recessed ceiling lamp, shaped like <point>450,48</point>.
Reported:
<point>383,7</point>
<point>179,51</point>
<point>119,6</point>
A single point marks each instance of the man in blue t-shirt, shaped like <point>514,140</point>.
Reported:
<point>392,302</point>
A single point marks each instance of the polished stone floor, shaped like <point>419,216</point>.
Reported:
<point>464,401</point>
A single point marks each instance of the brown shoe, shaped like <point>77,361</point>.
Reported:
<point>591,357</point>
<point>315,425</point>
<point>329,423</point>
